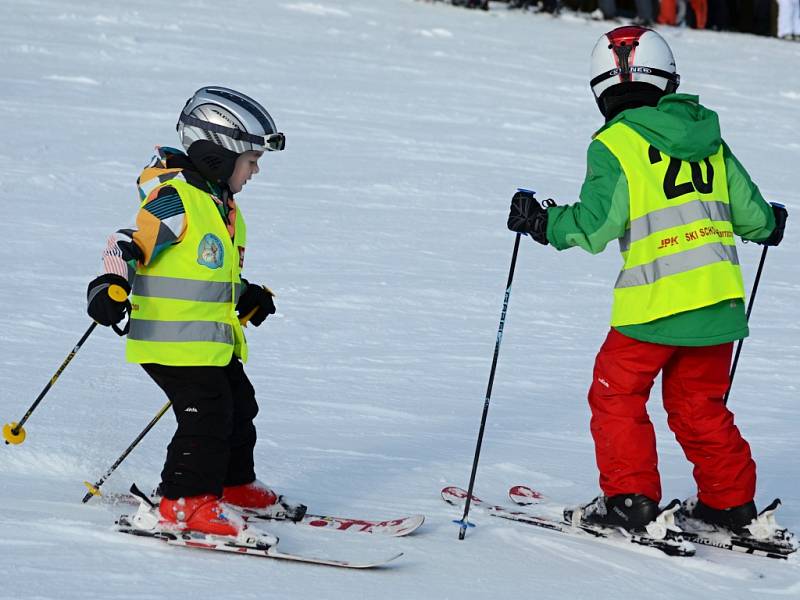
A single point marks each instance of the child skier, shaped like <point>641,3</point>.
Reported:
<point>662,182</point>
<point>181,263</point>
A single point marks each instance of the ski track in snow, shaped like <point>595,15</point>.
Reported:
<point>382,231</point>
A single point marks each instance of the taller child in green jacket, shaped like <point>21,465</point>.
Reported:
<point>662,182</point>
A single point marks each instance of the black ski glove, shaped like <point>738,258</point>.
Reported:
<point>528,216</point>
<point>256,298</point>
<point>780,224</point>
<point>104,308</point>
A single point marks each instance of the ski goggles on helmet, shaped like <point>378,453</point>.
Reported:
<point>271,142</point>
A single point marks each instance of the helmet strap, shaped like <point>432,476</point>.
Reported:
<point>623,53</point>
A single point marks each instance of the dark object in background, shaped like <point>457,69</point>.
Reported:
<point>747,16</point>
<point>719,15</point>
<point>481,4</point>
<point>551,6</point>
<point>762,24</point>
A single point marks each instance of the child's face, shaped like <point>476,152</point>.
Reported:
<point>246,166</point>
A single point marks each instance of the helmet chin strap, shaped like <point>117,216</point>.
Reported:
<point>213,162</point>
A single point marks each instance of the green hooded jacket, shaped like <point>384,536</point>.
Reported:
<point>683,128</point>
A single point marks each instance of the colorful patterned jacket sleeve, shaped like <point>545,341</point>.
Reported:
<point>160,223</point>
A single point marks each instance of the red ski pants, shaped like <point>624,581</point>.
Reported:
<point>694,380</point>
<point>668,12</point>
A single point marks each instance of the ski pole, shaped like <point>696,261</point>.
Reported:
<point>463,523</point>
<point>94,490</point>
<point>749,310</point>
<point>14,432</point>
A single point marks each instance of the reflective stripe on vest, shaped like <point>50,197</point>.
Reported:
<point>679,253</point>
<point>673,216</point>
<point>181,331</point>
<point>183,302</point>
<point>186,289</point>
<point>677,263</point>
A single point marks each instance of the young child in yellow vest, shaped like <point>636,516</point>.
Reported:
<point>662,182</point>
<point>181,263</point>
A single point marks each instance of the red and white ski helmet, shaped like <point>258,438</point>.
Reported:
<point>633,54</point>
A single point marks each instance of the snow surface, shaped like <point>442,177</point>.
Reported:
<point>382,230</point>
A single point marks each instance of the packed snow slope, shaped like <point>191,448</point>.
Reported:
<point>382,230</point>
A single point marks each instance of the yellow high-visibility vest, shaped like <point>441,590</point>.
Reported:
<point>678,250</point>
<point>183,302</point>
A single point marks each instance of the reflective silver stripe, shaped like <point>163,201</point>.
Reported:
<point>673,216</point>
<point>182,289</point>
<point>180,331</point>
<point>677,263</point>
<point>237,293</point>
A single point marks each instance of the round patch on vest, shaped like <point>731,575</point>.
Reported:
<point>210,252</point>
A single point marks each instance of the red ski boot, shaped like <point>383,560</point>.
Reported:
<point>201,513</point>
<point>256,499</point>
<point>253,495</point>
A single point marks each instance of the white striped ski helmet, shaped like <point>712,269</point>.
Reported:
<point>228,119</point>
<point>632,54</point>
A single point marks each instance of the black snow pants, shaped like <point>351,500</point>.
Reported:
<point>213,445</point>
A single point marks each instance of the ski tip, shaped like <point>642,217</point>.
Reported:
<point>367,565</point>
<point>452,492</point>
<point>409,525</point>
<point>345,563</point>
<point>394,557</point>
<point>524,495</point>
<point>413,523</point>
<point>376,564</point>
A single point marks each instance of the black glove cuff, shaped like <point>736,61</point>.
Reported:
<point>776,236</point>
<point>539,228</point>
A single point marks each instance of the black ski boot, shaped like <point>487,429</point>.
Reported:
<point>735,519</point>
<point>629,511</point>
<point>637,517</point>
<point>738,528</point>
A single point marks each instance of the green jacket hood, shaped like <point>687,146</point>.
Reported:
<point>679,126</point>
